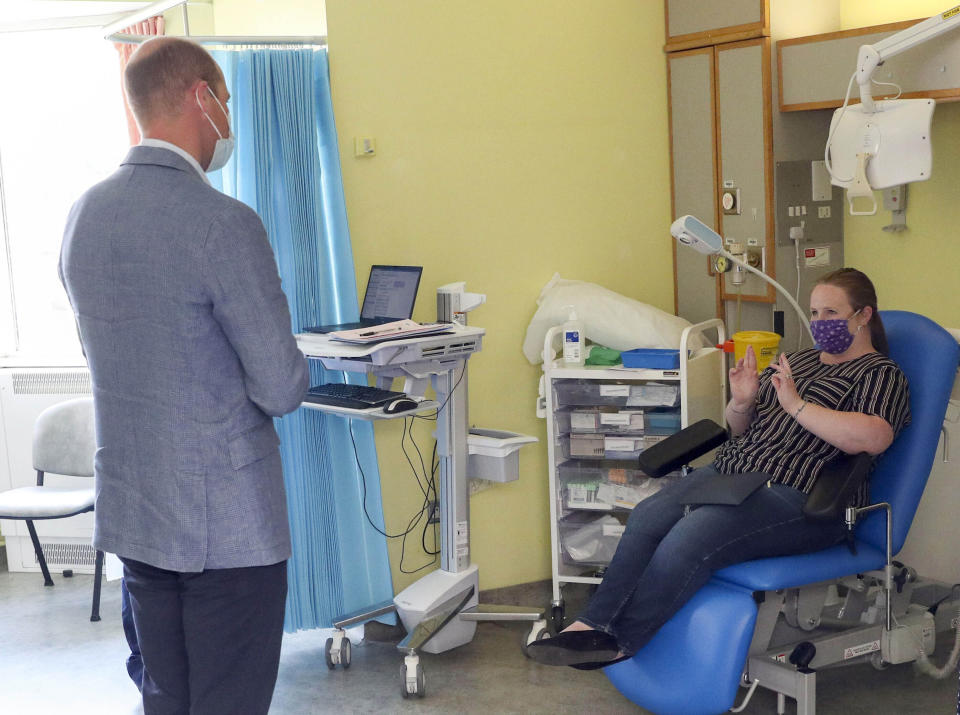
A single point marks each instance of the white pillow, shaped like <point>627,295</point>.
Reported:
<point>608,318</point>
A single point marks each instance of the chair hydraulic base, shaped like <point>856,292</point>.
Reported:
<point>832,632</point>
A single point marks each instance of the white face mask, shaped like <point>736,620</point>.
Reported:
<point>224,146</point>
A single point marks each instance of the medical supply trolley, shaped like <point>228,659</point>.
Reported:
<point>599,419</point>
<point>440,610</point>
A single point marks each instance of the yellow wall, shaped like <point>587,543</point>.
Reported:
<point>270,17</point>
<point>915,270</point>
<point>515,139</point>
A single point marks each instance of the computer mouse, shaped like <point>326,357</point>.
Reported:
<point>401,404</point>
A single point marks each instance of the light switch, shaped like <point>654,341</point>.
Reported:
<point>364,146</point>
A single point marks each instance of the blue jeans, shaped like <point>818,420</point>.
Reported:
<point>664,556</point>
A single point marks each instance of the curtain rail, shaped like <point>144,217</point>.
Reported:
<point>317,40</point>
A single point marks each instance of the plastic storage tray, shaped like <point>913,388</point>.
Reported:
<point>608,420</point>
<point>589,539</point>
<point>600,471</point>
<point>594,446</point>
<point>606,487</point>
<point>655,358</point>
<point>662,423</point>
<point>574,393</point>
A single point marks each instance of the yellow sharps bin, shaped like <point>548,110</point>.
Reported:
<point>765,346</point>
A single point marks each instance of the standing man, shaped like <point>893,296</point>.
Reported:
<point>187,335</point>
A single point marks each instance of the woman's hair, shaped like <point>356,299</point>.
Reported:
<point>861,293</point>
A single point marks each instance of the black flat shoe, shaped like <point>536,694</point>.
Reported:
<point>599,664</point>
<point>572,647</point>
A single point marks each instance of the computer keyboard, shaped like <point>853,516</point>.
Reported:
<point>354,397</point>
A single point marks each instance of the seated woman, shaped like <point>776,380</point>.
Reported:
<point>845,396</point>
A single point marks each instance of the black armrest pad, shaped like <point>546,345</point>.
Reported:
<point>682,448</point>
<point>836,486</point>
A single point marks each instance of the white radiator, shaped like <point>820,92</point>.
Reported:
<point>24,394</point>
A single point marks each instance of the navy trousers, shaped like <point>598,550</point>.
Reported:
<point>134,660</point>
<point>666,555</point>
<point>210,641</point>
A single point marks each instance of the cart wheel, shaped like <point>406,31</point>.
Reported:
<point>556,618</point>
<point>345,649</point>
<point>326,651</point>
<point>537,633</point>
<point>877,661</point>
<point>403,682</point>
<point>409,688</point>
<point>421,682</point>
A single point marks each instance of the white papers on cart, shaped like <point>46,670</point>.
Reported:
<point>396,330</point>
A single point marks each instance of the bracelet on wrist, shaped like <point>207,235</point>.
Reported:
<point>799,409</point>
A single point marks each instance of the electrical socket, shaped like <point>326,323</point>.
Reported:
<point>433,512</point>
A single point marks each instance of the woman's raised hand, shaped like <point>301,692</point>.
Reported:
<point>783,383</point>
<point>744,381</point>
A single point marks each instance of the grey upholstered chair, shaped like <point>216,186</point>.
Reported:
<point>63,443</point>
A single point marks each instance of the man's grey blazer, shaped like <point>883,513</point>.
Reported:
<point>188,338</point>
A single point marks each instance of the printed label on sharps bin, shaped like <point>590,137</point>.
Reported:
<point>858,650</point>
<point>463,533</point>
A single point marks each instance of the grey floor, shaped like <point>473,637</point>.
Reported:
<point>54,660</point>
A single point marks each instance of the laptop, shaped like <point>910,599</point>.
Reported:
<point>390,295</point>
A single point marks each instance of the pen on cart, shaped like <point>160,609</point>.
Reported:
<point>387,331</point>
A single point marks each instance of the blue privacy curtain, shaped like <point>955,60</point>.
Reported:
<point>286,166</point>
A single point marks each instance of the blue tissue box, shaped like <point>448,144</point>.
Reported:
<point>655,358</point>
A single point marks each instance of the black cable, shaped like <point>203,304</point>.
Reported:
<point>431,487</point>
<point>408,426</point>
<point>403,545</point>
<point>411,525</point>
<point>408,433</point>
<point>426,491</point>
<point>363,481</point>
<point>423,469</point>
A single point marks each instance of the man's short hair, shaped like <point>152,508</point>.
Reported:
<point>160,71</point>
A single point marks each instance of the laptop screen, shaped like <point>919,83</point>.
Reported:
<point>391,292</point>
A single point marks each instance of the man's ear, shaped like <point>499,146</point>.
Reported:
<point>197,96</point>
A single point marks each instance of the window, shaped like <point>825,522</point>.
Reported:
<point>62,129</point>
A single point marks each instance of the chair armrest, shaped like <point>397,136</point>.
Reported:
<point>681,448</point>
<point>836,485</point>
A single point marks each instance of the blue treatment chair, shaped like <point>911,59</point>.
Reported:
<point>722,636</point>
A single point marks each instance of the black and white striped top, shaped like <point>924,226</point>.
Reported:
<point>777,445</point>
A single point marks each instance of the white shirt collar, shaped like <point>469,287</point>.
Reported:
<point>161,144</point>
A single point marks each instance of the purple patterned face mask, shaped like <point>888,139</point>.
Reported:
<point>832,336</point>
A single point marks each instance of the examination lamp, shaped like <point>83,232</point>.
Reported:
<point>876,145</point>
<point>693,232</point>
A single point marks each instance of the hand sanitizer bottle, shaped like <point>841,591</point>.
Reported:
<point>573,341</point>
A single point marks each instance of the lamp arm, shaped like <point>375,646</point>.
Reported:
<point>768,279</point>
<point>872,56</point>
